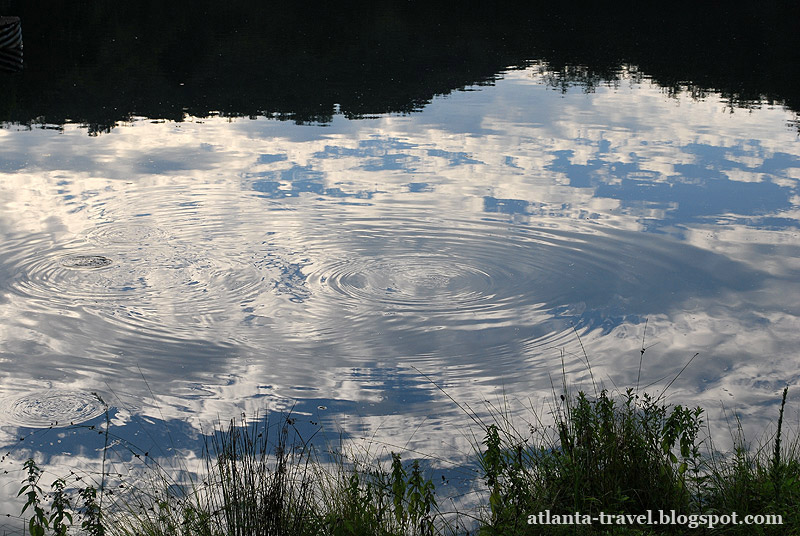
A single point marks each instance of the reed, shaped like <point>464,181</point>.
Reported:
<point>757,479</point>
<point>609,455</point>
<point>612,452</point>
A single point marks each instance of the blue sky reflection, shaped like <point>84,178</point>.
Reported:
<point>258,264</point>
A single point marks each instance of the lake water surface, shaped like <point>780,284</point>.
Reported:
<point>192,271</point>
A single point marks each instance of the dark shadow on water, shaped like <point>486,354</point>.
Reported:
<point>98,63</point>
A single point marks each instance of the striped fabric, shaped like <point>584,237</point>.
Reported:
<point>10,44</point>
<point>10,33</point>
<point>11,59</point>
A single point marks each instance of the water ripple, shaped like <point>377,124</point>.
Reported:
<point>164,285</point>
<point>50,408</point>
<point>127,233</point>
<point>424,287</point>
<point>427,282</point>
<point>432,269</point>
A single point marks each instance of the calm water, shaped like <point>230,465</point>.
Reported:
<point>190,271</point>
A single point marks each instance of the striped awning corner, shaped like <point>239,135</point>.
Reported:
<point>10,32</point>
<point>10,44</point>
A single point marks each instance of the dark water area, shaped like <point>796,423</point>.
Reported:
<point>212,211</point>
<point>97,63</point>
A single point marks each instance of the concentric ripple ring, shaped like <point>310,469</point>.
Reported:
<point>55,407</point>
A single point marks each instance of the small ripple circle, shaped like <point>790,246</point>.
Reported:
<point>54,407</point>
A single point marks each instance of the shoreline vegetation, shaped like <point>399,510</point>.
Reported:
<point>622,463</point>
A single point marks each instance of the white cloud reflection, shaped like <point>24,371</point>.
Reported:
<point>226,235</point>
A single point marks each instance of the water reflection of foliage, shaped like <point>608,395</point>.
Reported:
<point>105,62</point>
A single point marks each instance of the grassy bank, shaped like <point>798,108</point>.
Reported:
<point>616,455</point>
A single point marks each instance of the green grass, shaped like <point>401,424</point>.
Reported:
<point>621,453</point>
<point>608,455</point>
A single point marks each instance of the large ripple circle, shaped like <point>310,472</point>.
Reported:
<point>427,281</point>
<point>138,235</point>
<point>427,269</point>
<point>66,277</point>
<point>164,285</point>
<point>50,408</point>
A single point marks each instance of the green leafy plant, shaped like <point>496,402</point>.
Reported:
<point>38,521</point>
<point>92,512</point>
<point>61,514</point>
<point>413,498</point>
<point>612,452</point>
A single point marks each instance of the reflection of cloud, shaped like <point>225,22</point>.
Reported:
<point>753,246</point>
<point>250,224</point>
<point>744,176</point>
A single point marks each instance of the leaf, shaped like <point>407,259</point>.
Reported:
<point>494,502</point>
<point>34,529</point>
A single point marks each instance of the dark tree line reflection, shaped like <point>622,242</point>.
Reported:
<point>104,61</point>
